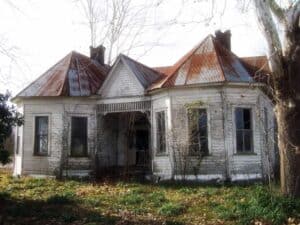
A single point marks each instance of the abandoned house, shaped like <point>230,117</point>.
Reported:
<point>206,117</point>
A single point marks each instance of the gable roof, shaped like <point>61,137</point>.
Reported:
<point>143,73</point>
<point>208,62</point>
<point>74,75</point>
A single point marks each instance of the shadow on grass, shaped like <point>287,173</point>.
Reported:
<point>16,211</point>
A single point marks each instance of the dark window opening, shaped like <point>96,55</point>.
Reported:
<point>243,124</point>
<point>161,132</point>
<point>198,134</point>
<point>41,135</point>
<point>79,137</point>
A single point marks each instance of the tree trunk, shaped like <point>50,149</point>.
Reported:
<point>288,141</point>
<point>284,61</point>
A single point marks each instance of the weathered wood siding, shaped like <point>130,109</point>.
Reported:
<point>59,112</point>
<point>161,163</point>
<point>213,165</point>
<point>223,160</point>
<point>121,82</point>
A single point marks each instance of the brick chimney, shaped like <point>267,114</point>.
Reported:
<point>97,53</point>
<point>224,38</point>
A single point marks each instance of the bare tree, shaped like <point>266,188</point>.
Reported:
<point>119,25</point>
<point>284,58</point>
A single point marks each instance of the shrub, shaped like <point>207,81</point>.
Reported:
<point>171,209</point>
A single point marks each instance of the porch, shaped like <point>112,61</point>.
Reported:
<point>123,138</point>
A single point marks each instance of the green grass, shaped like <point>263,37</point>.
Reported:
<point>171,209</point>
<point>48,201</point>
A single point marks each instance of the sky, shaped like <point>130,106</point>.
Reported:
<point>40,33</point>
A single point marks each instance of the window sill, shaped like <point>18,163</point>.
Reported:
<point>79,157</point>
<point>203,156</point>
<point>245,154</point>
<point>41,155</point>
<point>161,154</point>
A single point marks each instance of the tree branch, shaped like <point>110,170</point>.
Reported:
<point>277,11</point>
<point>270,32</point>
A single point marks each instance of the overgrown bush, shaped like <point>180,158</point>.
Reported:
<point>261,204</point>
<point>171,209</point>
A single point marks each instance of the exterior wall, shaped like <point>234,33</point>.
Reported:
<point>243,166</point>
<point>223,161</point>
<point>191,167</point>
<point>59,111</point>
<point>161,163</point>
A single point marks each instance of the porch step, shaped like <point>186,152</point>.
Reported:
<point>77,173</point>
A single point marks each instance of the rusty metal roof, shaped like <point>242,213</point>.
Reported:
<point>144,74</point>
<point>74,75</point>
<point>208,62</point>
<point>258,68</point>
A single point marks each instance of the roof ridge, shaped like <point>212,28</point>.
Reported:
<point>233,55</point>
<point>185,58</point>
<point>137,62</point>
<point>66,74</point>
<point>70,55</point>
<point>219,61</point>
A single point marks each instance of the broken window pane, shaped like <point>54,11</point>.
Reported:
<point>79,137</point>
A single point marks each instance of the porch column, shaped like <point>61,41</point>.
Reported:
<point>96,158</point>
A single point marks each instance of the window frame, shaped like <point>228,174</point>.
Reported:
<point>208,153</point>
<point>252,125</point>
<point>35,152</point>
<point>86,154</point>
<point>158,152</point>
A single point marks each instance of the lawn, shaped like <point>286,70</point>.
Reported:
<point>48,201</point>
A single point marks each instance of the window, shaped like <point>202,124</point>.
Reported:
<point>243,130</point>
<point>198,138</point>
<point>79,137</point>
<point>41,135</point>
<point>160,132</point>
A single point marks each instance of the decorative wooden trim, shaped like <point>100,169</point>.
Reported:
<point>124,107</point>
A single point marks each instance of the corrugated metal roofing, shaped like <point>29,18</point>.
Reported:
<point>74,75</point>
<point>208,62</point>
<point>144,74</point>
<point>258,68</point>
